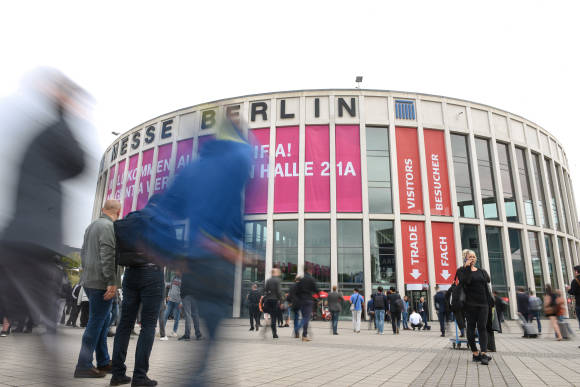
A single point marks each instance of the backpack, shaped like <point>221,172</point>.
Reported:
<point>379,301</point>
<point>535,304</point>
<point>397,305</point>
<point>140,236</point>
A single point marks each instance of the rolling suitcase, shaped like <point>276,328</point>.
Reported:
<point>530,329</point>
<point>565,330</point>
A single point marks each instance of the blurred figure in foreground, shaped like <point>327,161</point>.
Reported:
<point>208,193</point>
<point>44,151</point>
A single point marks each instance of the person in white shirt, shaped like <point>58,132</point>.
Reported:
<point>415,320</point>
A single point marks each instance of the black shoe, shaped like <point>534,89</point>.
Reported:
<point>108,368</point>
<point>443,335</point>
<point>274,336</point>
<point>200,337</point>
<point>184,338</point>
<point>486,356</point>
<point>484,360</point>
<point>334,333</point>
<point>476,358</point>
<point>89,373</point>
<point>118,380</point>
<point>296,335</point>
<point>143,382</point>
<point>286,325</point>
<point>252,328</point>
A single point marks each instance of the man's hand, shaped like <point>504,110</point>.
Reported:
<point>110,293</point>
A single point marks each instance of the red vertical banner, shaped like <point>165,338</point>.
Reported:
<point>120,178</point>
<point>130,185</point>
<point>184,151</point>
<point>317,169</point>
<point>414,252</point>
<point>202,140</point>
<point>438,178</point>
<point>257,187</point>
<point>286,169</point>
<point>111,182</point>
<point>348,181</point>
<point>145,178</point>
<point>162,168</point>
<point>409,171</point>
<point>443,252</point>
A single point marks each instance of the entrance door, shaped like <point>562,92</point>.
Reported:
<point>415,295</point>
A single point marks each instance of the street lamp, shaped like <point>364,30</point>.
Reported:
<point>358,81</point>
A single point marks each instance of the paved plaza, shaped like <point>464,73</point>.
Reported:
<point>366,359</point>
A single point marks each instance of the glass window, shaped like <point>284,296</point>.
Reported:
<point>470,240</point>
<point>463,180</point>
<point>551,262</point>
<point>379,171</point>
<point>518,261</point>
<point>571,207</point>
<point>541,195</point>
<point>486,180</point>
<point>496,260</point>
<point>285,251</point>
<point>562,197</point>
<point>254,266</point>
<point>509,200</point>
<point>350,255</point>
<point>552,196</point>
<point>563,260</point>
<point>317,251</point>
<point>536,263</point>
<point>525,186</point>
<point>383,262</point>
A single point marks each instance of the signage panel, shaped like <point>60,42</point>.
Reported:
<point>286,169</point>
<point>348,181</point>
<point>145,179</point>
<point>443,252</point>
<point>184,151</point>
<point>257,187</point>
<point>162,168</point>
<point>437,176</point>
<point>409,171</point>
<point>317,169</point>
<point>111,182</point>
<point>130,184</point>
<point>414,252</point>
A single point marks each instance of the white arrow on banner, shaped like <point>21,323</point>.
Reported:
<point>415,273</point>
<point>445,274</point>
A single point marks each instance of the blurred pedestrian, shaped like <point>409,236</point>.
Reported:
<point>371,314</point>
<point>356,306</point>
<point>395,304</point>
<point>574,290</point>
<point>500,305</point>
<point>380,306</point>
<point>173,303</point>
<point>440,307</point>
<point>306,289</point>
<point>478,303</point>
<point>523,303</point>
<point>552,307</point>
<point>295,305</point>
<point>423,310</point>
<point>99,279</point>
<point>335,307</point>
<point>272,297</point>
<point>253,301</point>
<point>405,313</point>
<point>535,308</point>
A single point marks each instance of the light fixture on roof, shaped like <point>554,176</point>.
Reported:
<point>358,81</point>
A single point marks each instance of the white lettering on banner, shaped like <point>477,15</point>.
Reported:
<point>132,175</point>
<point>443,248</point>
<point>308,168</point>
<point>141,187</point>
<point>146,170</point>
<point>261,151</point>
<point>280,151</point>
<point>437,182</point>
<point>409,183</point>
<point>325,168</point>
<point>183,161</point>
<point>413,237</point>
<point>161,183</point>
<point>162,166</point>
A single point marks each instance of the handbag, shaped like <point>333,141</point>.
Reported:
<point>457,295</point>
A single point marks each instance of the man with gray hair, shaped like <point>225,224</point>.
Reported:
<point>99,280</point>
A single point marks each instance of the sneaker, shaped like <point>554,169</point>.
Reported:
<point>443,335</point>
<point>200,337</point>
<point>143,382</point>
<point>286,325</point>
<point>89,373</point>
<point>274,336</point>
<point>305,338</point>
<point>251,329</point>
<point>184,338</point>
<point>164,338</point>
<point>486,356</point>
<point>3,333</point>
<point>107,368</point>
<point>119,380</point>
<point>484,360</point>
<point>334,333</point>
<point>476,358</point>
<point>173,334</point>
<point>296,335</point>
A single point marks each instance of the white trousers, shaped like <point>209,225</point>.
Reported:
<point>356,314</point>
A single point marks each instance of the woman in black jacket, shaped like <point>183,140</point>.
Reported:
<point>478,301</point>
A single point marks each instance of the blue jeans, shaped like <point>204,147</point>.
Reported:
<point>536,315</point>
<point>442,317</point>
<point>141,285</point>
<point>335,321</point>
<point>424,317</point>
<point>172,307</point>
<point>380,319</point>
<point>95,335</point>
<point>191,313</point>
<point>296,320</point>
<point>405,318</point>
<point>306,309</point>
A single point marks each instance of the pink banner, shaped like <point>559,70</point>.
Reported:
<point>184,151</point>
<point>202,140</point>
<point>111,182</point>
<point>317,169</point>
<point>410,196</point>
<point>443,252</point>
<point>257,187</point>
<point>120,178</point>
<point>145,179</point>
<point>286,170</point>
<point>436,157</point>
<point>162,168</point>
<point>348,183</point>
<point>130,185</point>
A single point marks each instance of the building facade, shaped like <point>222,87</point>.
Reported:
<point>374,188</point>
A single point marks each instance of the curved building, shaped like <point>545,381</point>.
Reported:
<point>375,188</point>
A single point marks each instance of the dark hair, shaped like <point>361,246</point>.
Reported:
<point>577,268</point>
<point>380,288</point>
<point>520,289</point>
<point>392,288</point>
<point>549,289</point>
<point>495,292</point>
<point>356,290</point>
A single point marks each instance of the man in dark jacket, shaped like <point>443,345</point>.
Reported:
<point>335,307</point>
<point>395,309</point>
<point>423,310</point>
<point>253,300</point>
<point>574,290</point>
<point>272,297</point>
<point>523,301</point>
<point>305,290</point>
<point>440,306</point>
<point>380,307</point>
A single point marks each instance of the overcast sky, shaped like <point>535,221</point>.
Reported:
<point>141,59</point>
